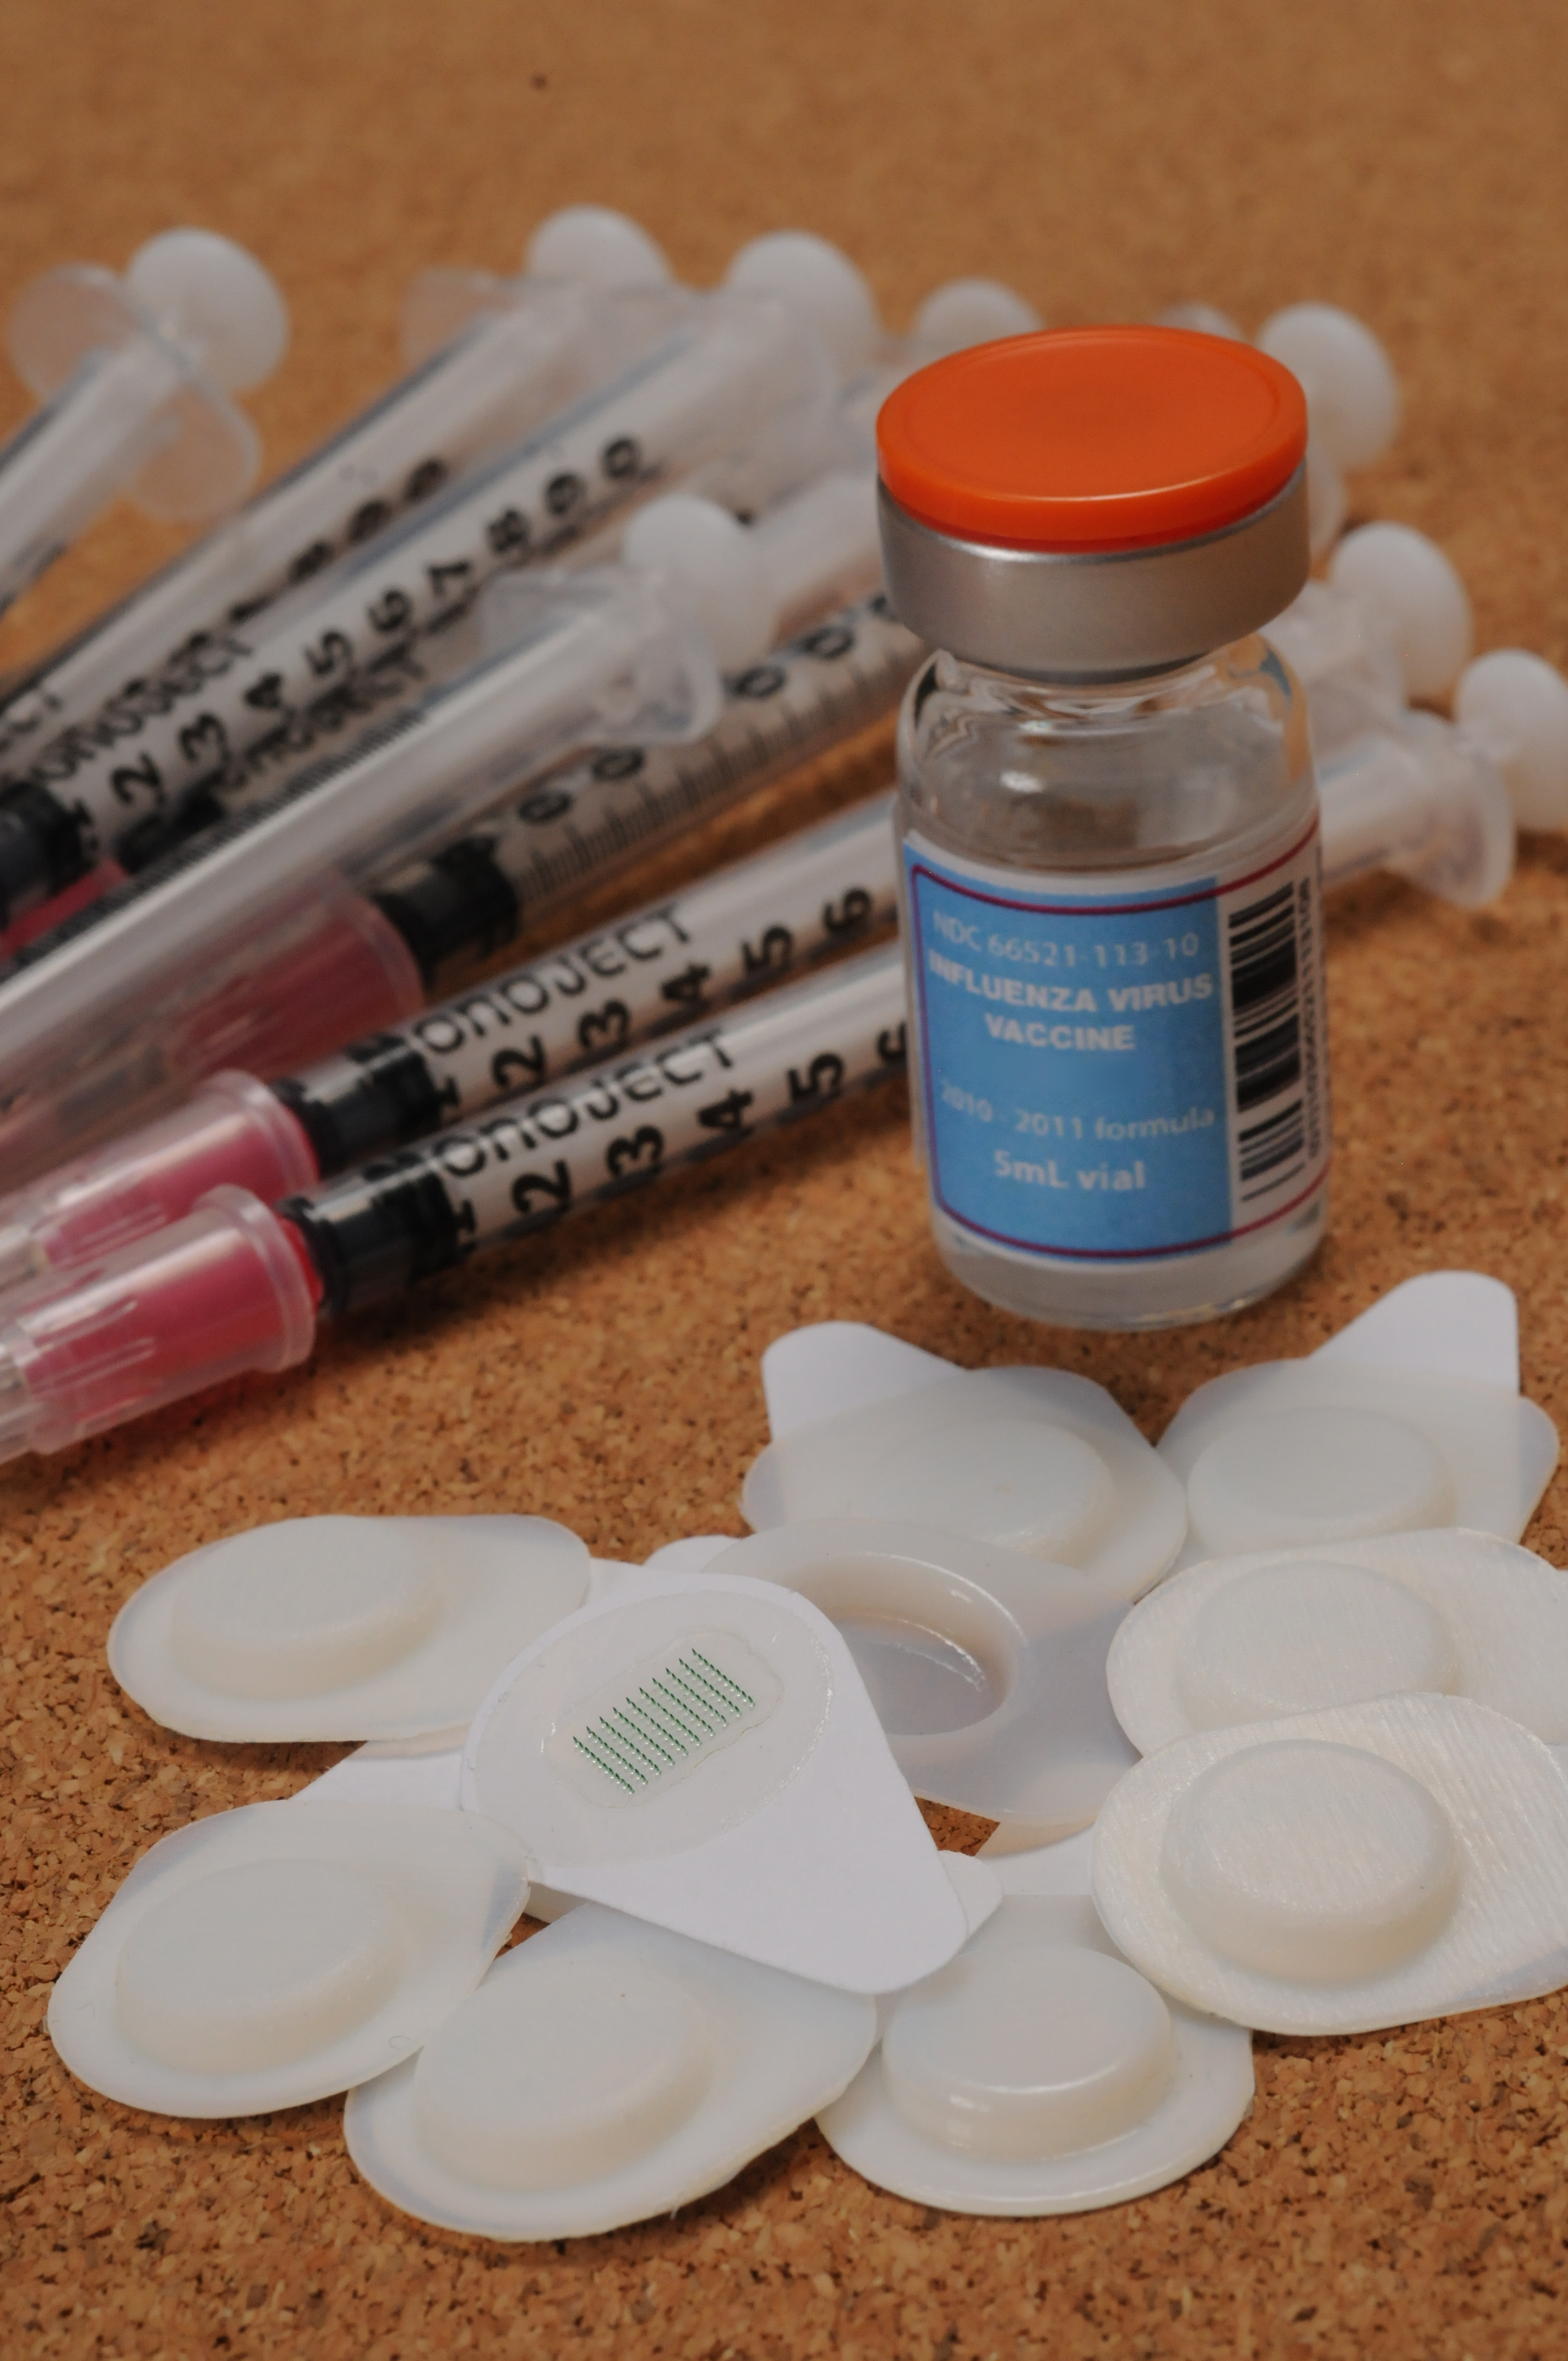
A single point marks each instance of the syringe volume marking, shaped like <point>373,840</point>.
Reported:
<point>373,1235</point>
<point>637,1157</point>
<point>434,549</point>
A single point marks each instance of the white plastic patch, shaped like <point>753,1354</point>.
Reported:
<point>1445,1324</point>
<point>795,1842</point>
<point>831,1367</point>
<point>1294,1453</point>
<point>343,1627</point>
<point>1064,1867</point>
<point>605,2071</point>
<point>1248,1638</point>
<point>1330,1872</point>
<point>1040,2073</point>
<point>986,1670</point>
<point>268,1956</point>
<point>396,1771</point>
<point>1033,1460</point>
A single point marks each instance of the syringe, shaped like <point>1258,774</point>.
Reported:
<point>815,897</point>
<point>1413,795</point>
<point>598,812</point>
<point>1421,798</point>
<point>133,375</point>
<point>957,314</point>
<point>1437,804</point>
<point>239,1286</point>
<point>1392,624</point>
<point>633,652</point>
<point>1514,707</point>
<point>738,379</point>
<point>1399,790</point>
<point>537,342</point>
<point>1353,394</point>
<point>370,960</point>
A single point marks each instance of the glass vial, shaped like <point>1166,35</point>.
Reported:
<point>1111,917</point>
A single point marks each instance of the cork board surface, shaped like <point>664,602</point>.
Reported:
<point>1399,2195</point>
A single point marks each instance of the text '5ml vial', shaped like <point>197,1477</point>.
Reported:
<point>1112,914</point>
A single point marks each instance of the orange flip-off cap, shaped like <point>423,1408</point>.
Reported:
<point>1092,439</point>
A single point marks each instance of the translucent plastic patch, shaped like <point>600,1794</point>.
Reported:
<point>1294,1453</point>
<point>1331,1873</point>
<point>604,2073</point>
<point>1283,1631</point>
<point>987,1670</point>
<point>265,1956</point>
<point>1040,2073</point>
<point>1032,1460</point>
<point>343,1627</point>
<point>790,1836</point>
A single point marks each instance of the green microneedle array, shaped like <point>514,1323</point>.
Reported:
<point>665,1720</point>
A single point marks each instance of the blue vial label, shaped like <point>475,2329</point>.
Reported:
<point>1125,1074</point>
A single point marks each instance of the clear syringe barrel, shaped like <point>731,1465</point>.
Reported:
<point>199,740</point>
<point>608,653</point>
<point>358,963</point>
<point>236,1286</point>
<point>1348,668</point>
<point>367,964</point>
<point>535,351</point>
<point>815,897</point>
<point>78,451</point>
<point>600,811</point>
<point>531,1160</point>
<point>812,897</point>
<point>1421,799</point>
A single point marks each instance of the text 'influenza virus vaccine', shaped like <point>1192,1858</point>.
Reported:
<point>1108,822</point>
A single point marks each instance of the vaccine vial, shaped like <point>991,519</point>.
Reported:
<point>1108,822</point>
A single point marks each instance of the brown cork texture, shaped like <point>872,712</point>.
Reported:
<point>1401,2195</point>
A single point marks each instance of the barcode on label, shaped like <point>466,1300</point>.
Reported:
<point>1262,951</point>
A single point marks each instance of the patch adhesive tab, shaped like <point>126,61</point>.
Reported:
<point>779,1828</point>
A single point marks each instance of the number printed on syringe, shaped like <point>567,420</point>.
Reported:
<point>660,968</point>
<point>519,1168</point>
<point>575,821</point>
<point>536,1159</point>
<point>268,700</point>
